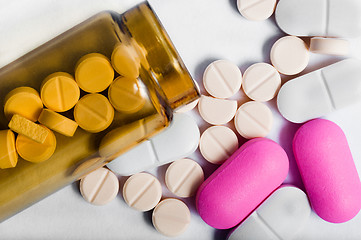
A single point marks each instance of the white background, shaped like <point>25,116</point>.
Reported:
<point>203,31</point>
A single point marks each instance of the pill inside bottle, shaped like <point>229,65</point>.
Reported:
<point>83,57</point>
<point>24,101</point>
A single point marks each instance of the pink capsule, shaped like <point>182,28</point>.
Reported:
<point>328,171</point>
<point>241,183</point>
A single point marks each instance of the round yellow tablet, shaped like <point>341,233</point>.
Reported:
<point>93,113</point>
<point>33,151</point>
<point>24,101</point>
<point>94,73</point>
<point>8,155</point>
<point>125,95</point>
<point>59,92</point>
<point>125,61</point>
<point>58,122</point>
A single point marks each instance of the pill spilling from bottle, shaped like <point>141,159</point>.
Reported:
<point>131,117</point>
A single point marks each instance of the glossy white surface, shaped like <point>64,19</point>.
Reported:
<point>321,92</point>
<point>328,18</point>
<point>279,217</point>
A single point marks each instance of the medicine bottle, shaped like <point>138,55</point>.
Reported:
<point>152,82</point>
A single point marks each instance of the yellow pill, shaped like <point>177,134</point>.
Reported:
<point>8,155</point>
<point>125,61</point>
<point>28,128</point>
<point>24,101</point>
<point>36,152</point>
<point>94,73</point>
<point>93,113</point>
<point>58,122</point>
<point>59,92</point>
<point>125,95</point>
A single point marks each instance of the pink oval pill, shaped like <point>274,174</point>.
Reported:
<point>241,183</point>
<point>328,171</point>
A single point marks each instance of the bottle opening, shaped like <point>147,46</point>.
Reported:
<point>165,66</point>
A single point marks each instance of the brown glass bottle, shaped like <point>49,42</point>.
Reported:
<point>163,80</point>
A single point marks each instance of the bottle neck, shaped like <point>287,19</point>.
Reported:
<point>161,59</point>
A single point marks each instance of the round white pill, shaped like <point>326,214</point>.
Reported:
<point>261,82</point>
<point>99,187</point>
<point>217,144</point>
<point>253,119</point>
<point>217,111</point>
<point>171,217</point>
<point>330,46</point>
<point>256,10</point>
<point>183,177</point>
<point>222,79</point>
<point>289,55</point>
<point>188,107</point>
<point>81,170</point>
<point>142,191</point>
